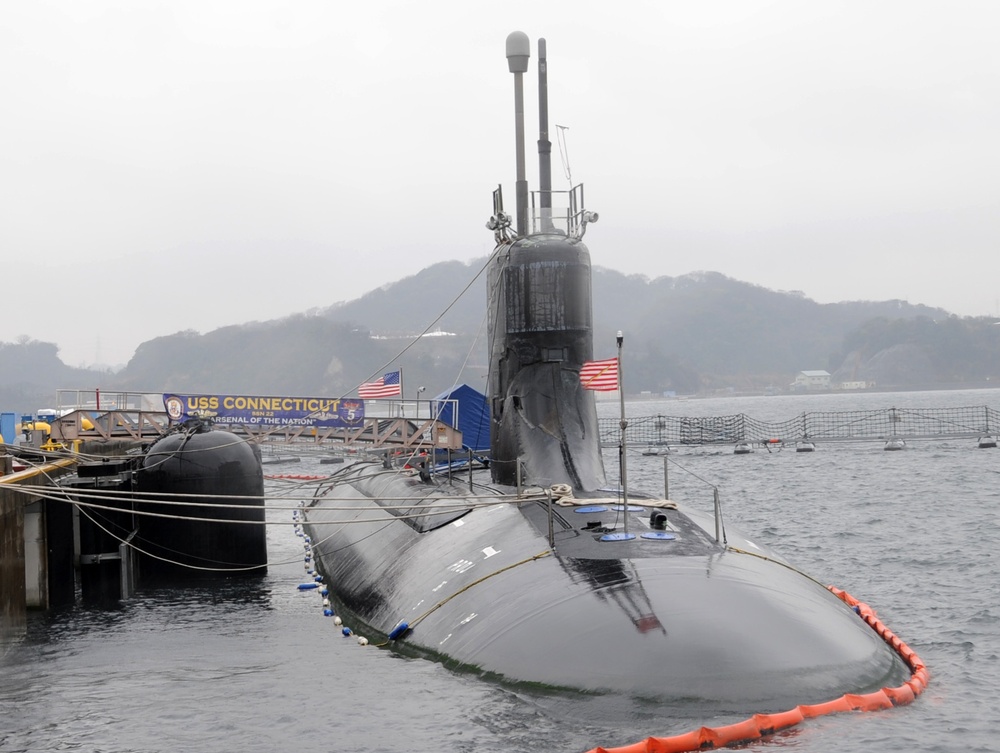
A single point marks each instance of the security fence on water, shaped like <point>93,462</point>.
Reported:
<point>902,423</point>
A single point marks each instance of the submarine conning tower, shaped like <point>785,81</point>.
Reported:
<point>543,427</point>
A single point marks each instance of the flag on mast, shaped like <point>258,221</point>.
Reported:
<point>601,376</point>
<point>387,385</point>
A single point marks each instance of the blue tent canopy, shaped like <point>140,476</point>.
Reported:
<point>473,415</point>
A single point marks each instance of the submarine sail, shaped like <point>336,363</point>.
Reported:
<point>541,328</point>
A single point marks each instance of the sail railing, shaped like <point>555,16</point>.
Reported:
<point>911,423</point>
<point>559,211</point>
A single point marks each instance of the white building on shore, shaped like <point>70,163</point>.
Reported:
<point>812,380</point>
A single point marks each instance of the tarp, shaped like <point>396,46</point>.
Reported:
<point>473,415</point>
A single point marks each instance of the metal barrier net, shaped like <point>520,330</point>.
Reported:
<point>927,423</point>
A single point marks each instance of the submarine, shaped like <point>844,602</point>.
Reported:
<point>528,570</point>
<point>184,508</point>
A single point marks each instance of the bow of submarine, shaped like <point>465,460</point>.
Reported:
<point>674,620</point>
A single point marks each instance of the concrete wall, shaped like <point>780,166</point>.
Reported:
<point>36,594</point>
<point>12,589</point>
<point>23,577</point>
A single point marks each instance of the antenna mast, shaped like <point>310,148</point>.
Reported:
<point>564,152</point>
<point>544,145</point>
<point>518,53</point>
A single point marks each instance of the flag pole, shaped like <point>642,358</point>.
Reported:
<point>402,395</point>
<point>624,424</point>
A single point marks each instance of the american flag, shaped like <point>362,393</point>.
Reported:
<point>385,386</point>
<point>601,376</point>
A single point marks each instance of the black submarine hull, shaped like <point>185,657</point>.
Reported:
<point>581,598</point>
<point>658,620</point>
<point>215,483</point>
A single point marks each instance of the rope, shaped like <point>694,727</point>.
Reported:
<point>132,545</point>
<point>474,583</point>
<point>764,557</point>
<point>466,587</point>
<point>439,317</point>
<point>149,513</point>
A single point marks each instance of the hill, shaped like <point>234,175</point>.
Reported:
<point>690,334</point>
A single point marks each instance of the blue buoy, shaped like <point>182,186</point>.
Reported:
<point>328,612</point>
<point>318,579</point>
<point>307,586</point>
<point>659,536</point>
<point>591,509</point>
<point>325,591</point>
<point>401,627</point>
<point>617,537</point>
<point>346,631</point>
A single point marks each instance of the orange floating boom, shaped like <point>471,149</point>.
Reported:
<point>762,725</point>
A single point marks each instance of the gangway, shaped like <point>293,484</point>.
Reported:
<point>374,431</point>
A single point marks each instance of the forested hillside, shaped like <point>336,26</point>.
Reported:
<point>691,334</point>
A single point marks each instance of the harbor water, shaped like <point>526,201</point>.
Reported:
<point>254,665</point>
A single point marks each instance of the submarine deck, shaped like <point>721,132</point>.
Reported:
<point>589,531</point>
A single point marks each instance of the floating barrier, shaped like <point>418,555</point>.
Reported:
<point>917,423</point>
<point>401,628</point>
<point>762,725</point>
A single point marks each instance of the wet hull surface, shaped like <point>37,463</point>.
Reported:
<point>666,620</point>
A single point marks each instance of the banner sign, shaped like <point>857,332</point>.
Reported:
<point>266,411</point>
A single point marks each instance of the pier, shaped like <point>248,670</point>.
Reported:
<point>372,431</point>
<point>141,417</point>
<point>68,517</point>
<point>30,578</point>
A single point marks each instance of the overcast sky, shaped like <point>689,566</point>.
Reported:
<point>179,165</point>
